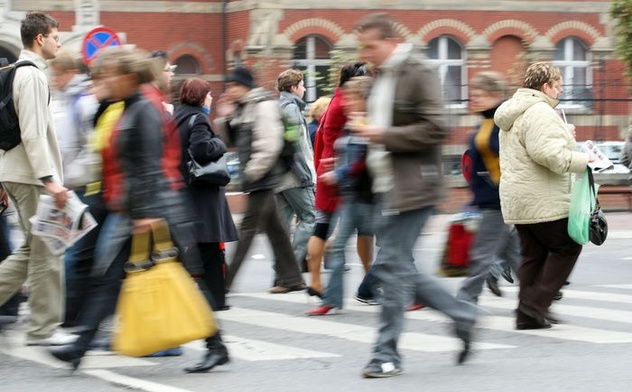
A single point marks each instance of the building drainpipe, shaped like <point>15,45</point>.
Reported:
<point>224,41</point>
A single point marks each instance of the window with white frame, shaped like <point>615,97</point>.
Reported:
<point>311,55</point>
<point>573,58</point>
<point>447,55</point>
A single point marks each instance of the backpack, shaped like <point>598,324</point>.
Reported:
<point>290,138</point>
<point>9,124</point>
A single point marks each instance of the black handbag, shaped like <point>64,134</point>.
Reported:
<point>214,172</point>
<point>598,225</point>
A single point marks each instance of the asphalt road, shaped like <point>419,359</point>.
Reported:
<point>276,348</point>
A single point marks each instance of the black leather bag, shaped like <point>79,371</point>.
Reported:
<point>214,172</point>
<point>598,225</point>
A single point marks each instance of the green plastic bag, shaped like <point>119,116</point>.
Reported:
<point>582,203</point>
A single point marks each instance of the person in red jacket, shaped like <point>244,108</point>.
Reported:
<point>331,126</point>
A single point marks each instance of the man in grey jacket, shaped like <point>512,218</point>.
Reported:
<point>31,169</point>
<point>295,193</point>
<point>405,130</point>
<point>250,119</point>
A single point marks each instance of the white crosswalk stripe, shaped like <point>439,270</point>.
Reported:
<point>262,310</point>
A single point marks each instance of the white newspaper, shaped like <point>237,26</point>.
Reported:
<point>601,161</point>
<point>59,229</point>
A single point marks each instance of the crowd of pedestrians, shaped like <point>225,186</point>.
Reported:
<point>368,163</point>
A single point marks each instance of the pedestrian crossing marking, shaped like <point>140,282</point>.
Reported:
<point>618,286</point>
<point>258,350</point>
<point>588,295</point>
<point>620,316</point>
<point>356,333</point>
<point>507,324</point>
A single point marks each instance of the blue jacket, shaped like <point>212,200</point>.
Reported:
<point>484,151</point>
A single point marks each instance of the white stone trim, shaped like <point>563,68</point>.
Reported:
<point>576,25</point>
<point>529,31</point>
<point>326,24</point>
<point>452,23</point>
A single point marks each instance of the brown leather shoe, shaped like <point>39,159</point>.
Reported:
<point>287,289</point>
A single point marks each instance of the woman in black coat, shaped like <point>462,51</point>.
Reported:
<point>215,224</point>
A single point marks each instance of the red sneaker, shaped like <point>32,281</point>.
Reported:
<point>321,311</point>
<point>414,307</point>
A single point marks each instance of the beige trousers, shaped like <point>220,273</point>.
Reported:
<point>33,261</point>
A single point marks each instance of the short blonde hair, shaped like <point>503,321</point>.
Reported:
<point>67,61</point>
<point>128,62</point>
<point>318,107</point>
<point>539,74</point>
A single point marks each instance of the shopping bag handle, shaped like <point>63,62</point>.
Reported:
<point>143,256</point>
<point>163,245</point>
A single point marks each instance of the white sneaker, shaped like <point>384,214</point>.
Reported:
<point>59,338</point>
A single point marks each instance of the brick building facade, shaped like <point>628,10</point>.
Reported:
<point>463,37</point>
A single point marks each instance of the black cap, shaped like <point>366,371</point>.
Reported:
<point>242,76</point>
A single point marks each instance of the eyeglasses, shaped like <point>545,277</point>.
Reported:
<point>55,37</point>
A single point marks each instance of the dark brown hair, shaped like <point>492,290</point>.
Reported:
<point>194,91</point>
<point>34,24</point>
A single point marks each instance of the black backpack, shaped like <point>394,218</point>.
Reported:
<point>9,124</point>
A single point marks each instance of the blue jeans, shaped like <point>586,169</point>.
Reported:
<point>399,279</point>
<point>299,202</point>
<point>353,215</point>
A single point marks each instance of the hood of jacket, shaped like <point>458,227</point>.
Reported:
<point>513,108</point>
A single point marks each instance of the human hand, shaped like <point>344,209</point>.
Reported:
<point>328,163</point>
<point>225,106</point>
<point>372,133</point>
<point>571,129</point>
<point>329,178</point>
<point>144,224</point>
<point>59,193</point>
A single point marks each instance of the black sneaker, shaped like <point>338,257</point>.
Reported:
<point>377,369</point>
<point>506,274</point>
<point>365,300</point>
<point>492,285</point>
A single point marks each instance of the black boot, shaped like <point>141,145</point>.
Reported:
<point>68,353</point>
<point>216,355</point>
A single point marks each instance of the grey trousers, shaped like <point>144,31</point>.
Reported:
<point>494,240</point>
<point>399,279</point>
<point>299,202</point>
<point>35,262</point>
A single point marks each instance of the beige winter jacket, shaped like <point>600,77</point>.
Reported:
<point>38,155</point>
<point>537,155</point>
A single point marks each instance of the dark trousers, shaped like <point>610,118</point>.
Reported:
<point>548,257</point>
<point>214,263</point>
<point>79,258</point>
<point>262,213</point>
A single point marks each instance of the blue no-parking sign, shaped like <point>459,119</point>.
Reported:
<point>97,39</point>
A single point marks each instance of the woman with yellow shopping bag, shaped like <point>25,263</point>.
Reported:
<point>142,195</point>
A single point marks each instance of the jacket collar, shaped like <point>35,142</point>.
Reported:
<point>33,57</point>
<point>399,55</point>
<point>292,98</point>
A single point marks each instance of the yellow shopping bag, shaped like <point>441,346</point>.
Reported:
<point>160,306</point>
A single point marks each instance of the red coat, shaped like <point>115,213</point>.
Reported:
<point>331,125</point>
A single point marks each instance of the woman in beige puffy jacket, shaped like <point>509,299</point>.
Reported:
<point>537,157</point>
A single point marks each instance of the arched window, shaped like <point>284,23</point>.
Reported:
<point>573,59</point>
<point>311,55</point>
<point>446,54</point>
<point>187,65</point>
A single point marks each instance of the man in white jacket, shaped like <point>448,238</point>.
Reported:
<point>31,169</point>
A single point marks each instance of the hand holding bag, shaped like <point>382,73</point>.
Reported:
<point>586,221</point>
<point>160,306</point>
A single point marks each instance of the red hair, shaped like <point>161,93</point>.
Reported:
<point>194,91</point>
